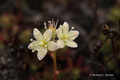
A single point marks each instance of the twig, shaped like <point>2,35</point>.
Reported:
<point>113,46</point>
<point>114,52</point>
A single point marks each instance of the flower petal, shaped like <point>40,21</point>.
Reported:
<point>33,45</point>
<point>60,43</point>
<point>52,46</point>
<point>65,27</point>
<point>37,34</point>
<point>73,34</point>
<point>41,53</point>
<point>59,33</point>
<point>60,27</point>
<point>48,35</point>
<point>71,44</point>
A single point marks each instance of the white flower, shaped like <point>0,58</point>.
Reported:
<point>42,43</point>
<point>66,37</point>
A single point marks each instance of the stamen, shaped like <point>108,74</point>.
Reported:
<point>72,28</point>
<point>33,50</point>
<point>49,22</point>
<point>38,49</point>
<point>56,23</point>
<point>52,20</point>
<point>31,39</point>
<point>45,45</point>
<point>45,25</point>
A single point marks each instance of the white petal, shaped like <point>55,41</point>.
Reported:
<point>41,53</point>
<point>48,35</point>
<point>71,44</point>
<point>37,34</point>
<point>60,43</point>
<point>59,33</point>
<point>65,27</point>
<point>73,34</point>
<point>52,46</point>
<point>33,45</point>
<point>60,27</point>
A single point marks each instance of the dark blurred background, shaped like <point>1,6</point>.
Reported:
<point>18,18</point>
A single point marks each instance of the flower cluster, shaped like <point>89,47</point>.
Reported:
<point>47,41</point>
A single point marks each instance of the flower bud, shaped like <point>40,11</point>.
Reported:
<point>112,33</point>
<point>98,45</point>
<point>53,28</point>
<point>105,29</point>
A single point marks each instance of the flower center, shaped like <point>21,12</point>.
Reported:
<point>43,43</point>
<point>66,37</point>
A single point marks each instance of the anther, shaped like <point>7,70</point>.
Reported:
<point>31,39</point>
<point>33,50</point>
<point>72,28</point>
<point>45,25</point>
<point>45,45</point>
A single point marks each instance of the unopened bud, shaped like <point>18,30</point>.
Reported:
<point>105,29</point>
<point>112,33</point>
<point>98,45</point>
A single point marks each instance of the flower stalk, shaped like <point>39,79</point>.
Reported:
<point>54,61</point>
<point>113,48</point>
<point>53,55</point>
